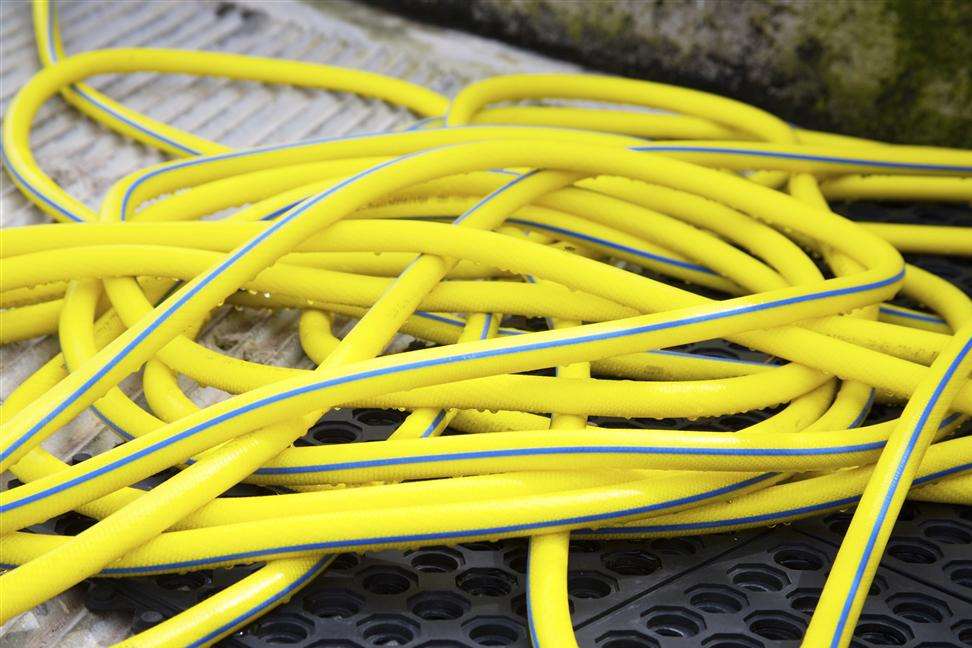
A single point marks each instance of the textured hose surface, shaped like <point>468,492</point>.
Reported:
<point>668,217</point>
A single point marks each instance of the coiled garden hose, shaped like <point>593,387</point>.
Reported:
<point>475,213</point>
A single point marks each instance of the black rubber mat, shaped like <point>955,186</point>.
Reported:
<point>753,589</point>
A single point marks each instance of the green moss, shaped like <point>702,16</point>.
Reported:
<point>896,70</point>
<point>934,70</point>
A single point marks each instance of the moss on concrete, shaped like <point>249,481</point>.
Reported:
<point>896,70</point>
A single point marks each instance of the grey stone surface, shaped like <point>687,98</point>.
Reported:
<point>896,70</point>
<point>86,158</point>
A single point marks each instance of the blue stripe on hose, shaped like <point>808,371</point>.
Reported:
<point>107,421</point>
<point>864,410</point>
<point>442,535</point>
<point>30,188</point>
<point>269,601</point>
<point>827,159</point>
<point>593,239</point>
<point>488,197</point>
<point>219,157</point>
<point>922,317</point>
<point>440,318</point>
<point>420,123</point>
<point>437,421</point>
<point>433,362</point>
<point>612,245</point>
<point>774,515</point>
<point>52,52</point>
<point>531,624</point>
<point>487,323</point>
<point>697,526</point>
<point>312,142</point>
<point>277,212</point>
<point>879,521</point>
<point>162,138</point>
<point>434,424</point>
<point>573,450</point>
<point>168,312</point>
<point>678,354</point>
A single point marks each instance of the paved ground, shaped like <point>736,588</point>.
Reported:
<point>86,158</point>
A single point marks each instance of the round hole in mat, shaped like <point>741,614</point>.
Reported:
<point>882,631</point>
<point>438,606</point>
<point>436,560</point>
<point>776,626</point>
<point>673,622</point>
<point>588,585</point>
<point>389,630</point>
<point>919,608</point>
<point>915,552</point>
<point>486,582</point>
<point>283,629</point>
<point>716,599</point>
<point>333,603</point>
<point>947,533</point>
<point>758,578</point>
<point>634,562</point>
<point>493,631</point>
<point>387,580</point>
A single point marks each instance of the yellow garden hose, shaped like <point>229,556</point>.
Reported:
<point>631,232</point>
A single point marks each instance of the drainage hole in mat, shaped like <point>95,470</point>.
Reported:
<point>962,576</point>
<point>335,432</point>
<point>436,561</point>
<point>493,632</point>
<point>379,417</point>
<point>965,635</point>
<point>585,585</point>
<point>438,606</point>
<point>333,604</point>
<point>776,626</point>
<point>388,633</point>
<point>387,580</point>
<point>947,533</point>
<point>673,622</point>
<point>716,599</point>
<point>913,552</point>
<point>881,631</point>
<point>805,600</point>
<point>919,608</point>
<point>486,582</point>
<point>281,630</point>
<point>631,563</point>
<point>759,578</point>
